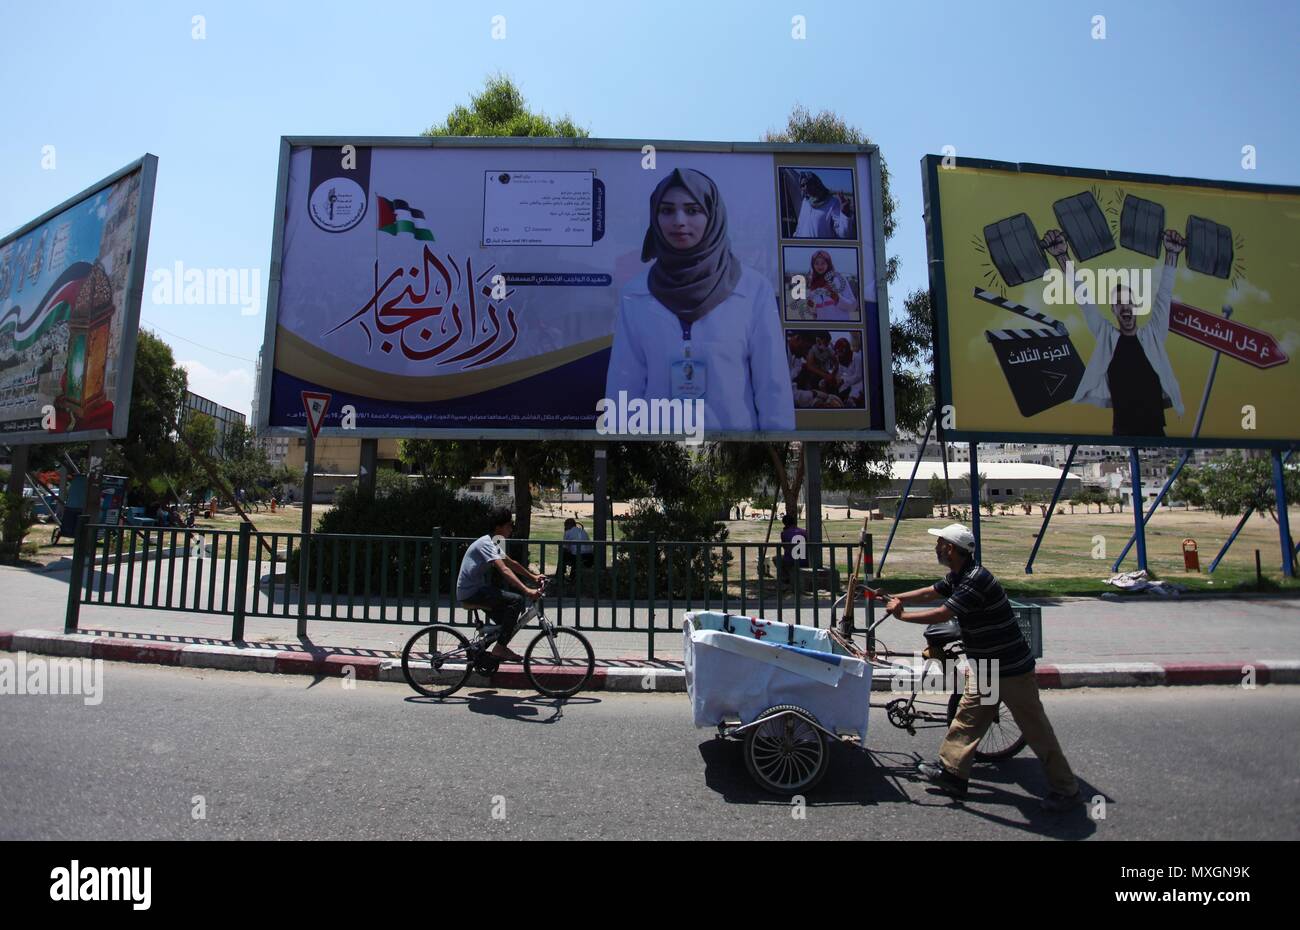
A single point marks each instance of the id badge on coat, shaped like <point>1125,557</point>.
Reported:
<point>689,379</point>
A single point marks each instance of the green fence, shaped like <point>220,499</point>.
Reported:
<point>627,586</point>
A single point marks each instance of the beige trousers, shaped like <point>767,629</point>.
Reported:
<point>972,720</point>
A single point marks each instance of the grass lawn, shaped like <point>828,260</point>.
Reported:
<point>1064,566</point>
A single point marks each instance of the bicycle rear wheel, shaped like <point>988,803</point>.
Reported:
<point>559,662</point>
<point>436,660</point>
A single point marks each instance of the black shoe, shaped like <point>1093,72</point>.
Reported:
<point>950,784</point>
<point>1058,803</point>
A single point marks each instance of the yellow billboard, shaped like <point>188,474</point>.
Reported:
<point>1096,306</point>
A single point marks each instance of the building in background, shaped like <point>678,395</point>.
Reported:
<point>224,418</point>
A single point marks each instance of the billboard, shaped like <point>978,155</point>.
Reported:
<point>578,289</point>
<point>1074,305</point>
<point>70,285</point>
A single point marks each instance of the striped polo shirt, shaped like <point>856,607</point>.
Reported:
<point>988,625</point>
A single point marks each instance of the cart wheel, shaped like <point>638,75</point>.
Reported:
<point>786,754</point>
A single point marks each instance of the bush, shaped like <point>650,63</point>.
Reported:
<point>689,516</point>
<point>401,507</point>
<point>17,517</point>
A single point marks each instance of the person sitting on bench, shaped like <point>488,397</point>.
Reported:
<point>477,588</point>
<point>786,560</point>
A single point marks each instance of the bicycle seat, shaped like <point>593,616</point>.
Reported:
<point>476,613</point>
<point>939,635</point>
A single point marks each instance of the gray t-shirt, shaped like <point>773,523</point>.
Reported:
<point>475,568</point>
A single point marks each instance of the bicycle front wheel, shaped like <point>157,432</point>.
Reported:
<point>436,660</point>
<point>559,662</point>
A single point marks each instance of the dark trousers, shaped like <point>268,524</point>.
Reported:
<point>503,609</point>
<point>569,559</point>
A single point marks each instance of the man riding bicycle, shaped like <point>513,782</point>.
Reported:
<point>477,585</point>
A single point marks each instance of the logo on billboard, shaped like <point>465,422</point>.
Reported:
<point>337,205</point>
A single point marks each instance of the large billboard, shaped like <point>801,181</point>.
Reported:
<point>1074,305</point>
<point>70,286</point>
<point>578,289</point>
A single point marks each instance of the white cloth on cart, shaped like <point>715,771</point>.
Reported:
<point>735,677</point>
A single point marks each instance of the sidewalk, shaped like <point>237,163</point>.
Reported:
<point>1086,642</point>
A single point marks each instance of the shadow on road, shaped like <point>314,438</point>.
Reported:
<point>531,709</point>
<point>858,778</point>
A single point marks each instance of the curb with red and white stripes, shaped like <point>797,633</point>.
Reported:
<point>663,677</point>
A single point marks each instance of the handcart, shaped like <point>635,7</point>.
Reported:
<point>788,691</point>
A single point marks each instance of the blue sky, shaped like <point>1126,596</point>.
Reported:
<point>1174,88</point>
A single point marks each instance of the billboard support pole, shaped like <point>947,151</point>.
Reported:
<point>17,468</point>
<point>813,488</point>
<point>1173,476</point>
<point>902,501</point>
<point>975,499</point>
<point>1283,521</point>
<point>1139,525</point>
<point>599,494</point>
<point>369,462</point>
<point>94,471</point>
<point>308,492</point>
<point>1051,508</point>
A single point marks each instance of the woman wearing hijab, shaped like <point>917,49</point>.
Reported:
<point>830,296</point>
<point>698,324</point>
<point>821,214</point>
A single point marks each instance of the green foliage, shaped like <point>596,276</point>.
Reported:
<point>17,517</point>
<point>688,497</point>
<point>401,507</point>
<point>149,454</point>
<point>1229,485</point>
<point>501,110</point>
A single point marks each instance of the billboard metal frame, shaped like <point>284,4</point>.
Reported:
<point>931,165</point>
<point>132,298</point>
<point>288,143</point>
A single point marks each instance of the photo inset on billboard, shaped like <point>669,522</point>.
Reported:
<point>818,203</point>
<point>821,284</point>
<point>826,370</point>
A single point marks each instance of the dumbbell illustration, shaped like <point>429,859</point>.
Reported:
<point>1019,254</point>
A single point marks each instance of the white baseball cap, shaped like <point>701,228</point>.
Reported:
<point>958,535</point>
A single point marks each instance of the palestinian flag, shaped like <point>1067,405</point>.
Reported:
<point>398,216</point>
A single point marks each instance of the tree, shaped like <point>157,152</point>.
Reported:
<point>1187,487</point>
<point>941,493</point>
<point>148,454</point>
<point>499,110</point>
<point>1230,485</point>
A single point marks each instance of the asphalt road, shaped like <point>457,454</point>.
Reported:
<point>289,757</point>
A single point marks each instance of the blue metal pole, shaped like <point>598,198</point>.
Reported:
<point>1240,523</point>
<point>1283,521</point>
<point>1139,525</point>
<point>902,501</point>
<point>975,499</point>
<point>1231,539</point>
<point>1047,517</point>
<point>1173,476</point>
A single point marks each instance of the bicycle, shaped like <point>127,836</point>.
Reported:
<point>944,645</point>
<point>438,659</point>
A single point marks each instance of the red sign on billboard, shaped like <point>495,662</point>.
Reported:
<point>1244,343</point>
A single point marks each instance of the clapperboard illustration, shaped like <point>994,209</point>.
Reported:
<point>1040,363</point>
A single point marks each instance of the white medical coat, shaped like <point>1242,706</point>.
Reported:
<point>739,341</point>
